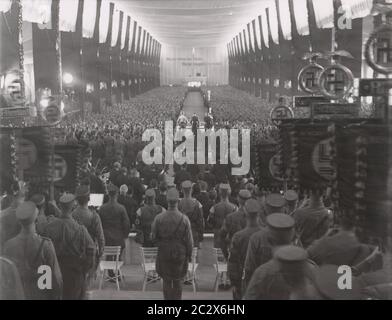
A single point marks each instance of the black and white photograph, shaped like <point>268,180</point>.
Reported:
<point>215,151</point>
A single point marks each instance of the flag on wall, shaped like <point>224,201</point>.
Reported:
<point>132,35</point>
<point>37,11</point>
<point>115,27</point>
<point>104,21</point>
<point>324,13</point>
<point>5,5</point>
<point>273,22</point>
<point>257,32</point>
<point>124,30</point>
<point>357,8</point>
<point>264,28</point>
<point>300,11</point>
<point>89,17</point>
<point>284,19</point>
<point>68,13</point>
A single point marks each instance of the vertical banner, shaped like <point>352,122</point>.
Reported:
<point>71,47</point>
<point>125,55</point>
<point>258,56</point>
<point>115,55</point>
<point>137,58</point>
<point>267,166</point>
<point>300,39</point>
<point>362,161</point>
<point>104,54</point>
<point>286,49</point>
<point>90,46</point>
<point>67,161</point>
<point>9,47</point>
<point>274,49</point>
<point>266,64</point>
<point>132,69</point>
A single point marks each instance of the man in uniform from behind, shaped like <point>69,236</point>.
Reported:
<point>219,212</point>
<point>146,215</point>
<point>239,246</point>
<point>29,252</point>
<point>192,208</point>
<point>75,250</point>
<point>92,222</point>
<point>234,222</point>
<point>312,221</point>
<point>288,276</point>
<point>279,231</point>
<point>171,231</point>
<point>115,222</point>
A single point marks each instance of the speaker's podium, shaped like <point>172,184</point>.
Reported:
<point>201,80</point>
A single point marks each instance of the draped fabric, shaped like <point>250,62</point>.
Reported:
<point>124,31</point>
<point>357,8</point>
<point>284,18</point>
<point>274,61</point>
<point>104,21</point>
<point>68,160</point>
<point>5,5</point>
<point>132,30</point>
<point>300,11</point>
<point>287,70</point>
<point>265,166</point>
<point>264,28</point>
<point>37,11</point>
<point>9,48</point>
<point>257,32</point>
<point>273,22</point>
<point>324,13</point>
<point>89,17</point>
<point>68,15</point>
<point>266,54</point>
<point>115,27</point>
<point>301,45</point>
<point>258,55</point>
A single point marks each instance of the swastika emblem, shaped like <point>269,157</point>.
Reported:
<point>60,167</point>
<point>322,159</point>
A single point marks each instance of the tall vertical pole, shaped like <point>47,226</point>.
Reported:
<point>56,26</point>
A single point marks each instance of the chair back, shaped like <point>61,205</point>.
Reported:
<point>112,251</point>
<point>218,256</point>
<point>194,258</point>
<point>149,255</point>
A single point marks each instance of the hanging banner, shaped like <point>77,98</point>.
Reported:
<point>284,18</point>
<point>362,161</point>
<point>115,27</point>
<point>124,30</point>
<point>89,17</point>
<point>33,154</point>
<point>355,9</point>
<point>68,13</point>
<point>264,25</point>
<point>67,161</point>
<point>273,22</point>
<point>37,11</point>
<point>323,11</point>
<point>104,21</point>
<point>300,10</point>
<point>268,166</point>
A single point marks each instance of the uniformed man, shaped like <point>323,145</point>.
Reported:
<point>115,222</point>
<point>279,231</point>
<point>239,246</point>
<point>311,221</point>
<point>29,252</point>
<point>171,231</point>
<point>146,215</point>
<point>74,249</point>
<point>340,247</point>
<point>219,211</point>
<point>192,208</point>
<point>9,225</point>
<point>291,198</point>
<point>273,203</point>
<point>289,275</point>
<point>91,220</point>
<point>234,222</point>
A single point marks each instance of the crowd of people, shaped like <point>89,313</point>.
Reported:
<point>278,245</point>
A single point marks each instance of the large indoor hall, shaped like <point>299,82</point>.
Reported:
<point>211,151</point>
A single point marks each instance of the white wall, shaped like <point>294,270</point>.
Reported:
<point>178,63</point>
